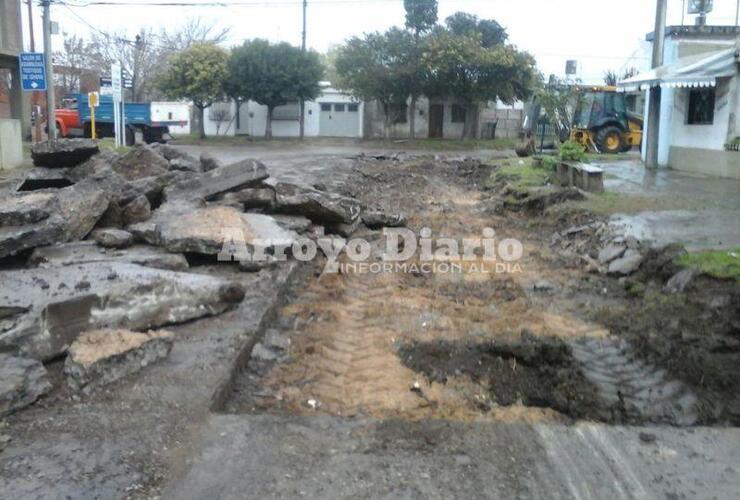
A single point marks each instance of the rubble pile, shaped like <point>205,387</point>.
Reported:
<point>95,249</point>
<point>600,249</point>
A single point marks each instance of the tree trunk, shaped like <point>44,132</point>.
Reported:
<point>387,120</point>
<point>238,116</point>
<point>470,128</point>
<point>201,123</point>
<point>412,117</point>
<point>303,120</point>
<point>268,124</point>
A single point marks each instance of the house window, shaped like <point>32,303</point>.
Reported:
<point>352,108</point>
<point>701,107</point>
<point>325,107</point>
<point>399,113</point>
<point>458,113</point>
<point>339,108</point>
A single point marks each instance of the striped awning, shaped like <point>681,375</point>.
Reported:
<point>688,72</point>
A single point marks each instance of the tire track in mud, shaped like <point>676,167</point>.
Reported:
<point>636,390</point>
<point>346,330</point>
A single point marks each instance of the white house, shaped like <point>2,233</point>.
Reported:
<point>333,114</point>
<point>700,105</point>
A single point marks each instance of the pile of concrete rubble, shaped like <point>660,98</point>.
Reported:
<point>95,249</point>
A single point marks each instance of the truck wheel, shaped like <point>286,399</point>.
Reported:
<point>610,140</point>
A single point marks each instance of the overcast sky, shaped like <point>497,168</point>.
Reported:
<point>600,34</point>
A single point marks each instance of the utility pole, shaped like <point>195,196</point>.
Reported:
<point>303,47</point>
<point>653,138</point>
<point>51,116</point>
<point>34,95</point>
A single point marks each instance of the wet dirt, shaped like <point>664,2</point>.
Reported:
<point>415,345</point>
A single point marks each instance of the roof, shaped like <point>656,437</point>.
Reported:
<point>689,72</point>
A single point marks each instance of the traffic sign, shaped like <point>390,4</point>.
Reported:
<point>33,71</point>
<point>116,83</point>
<point>93,99</point>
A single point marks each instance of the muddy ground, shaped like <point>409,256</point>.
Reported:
<point>415,384</point>
<point>548,341</point>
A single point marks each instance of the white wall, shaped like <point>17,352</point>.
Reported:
<point>712,136</point>
<point>253,119</point>
<point>11,148</point>
<point>173,111</point>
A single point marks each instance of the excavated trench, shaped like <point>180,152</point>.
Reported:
<point>464,346</point>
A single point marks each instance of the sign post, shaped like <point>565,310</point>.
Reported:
<point>33,72</point>
<point>117,91</point>
<point>93,101</point>
<point>33,78</point>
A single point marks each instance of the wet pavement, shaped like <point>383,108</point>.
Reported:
<point>710,214</point>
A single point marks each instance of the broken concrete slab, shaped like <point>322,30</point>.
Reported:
<point>22,382</point>
<point>182,227</point>
<point>74,211</point>
<point>627,264</point>
<point>81,252</point>
<point>26,208</point>
<point>185,165</point>
<point>252,198</point>
<point>208,162</point>
<point>54,305</point>
<point>140,162</point>
<point>680,280</point>
<point>220,180</point>
<point>611,252</point>
<point>296,223</point>
<point>138,210</point>
<point>100,357</point>
<point>113,238</point>
<point>61,153</point>
<point>99,164</point>
<point>377,219</point>
<point>319,206</point>
<point>44,178</point>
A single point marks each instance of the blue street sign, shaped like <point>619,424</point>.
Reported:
<point>33,71</point>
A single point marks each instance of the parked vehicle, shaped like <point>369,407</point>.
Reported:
<point>74,120</point>
<point>602,123</point>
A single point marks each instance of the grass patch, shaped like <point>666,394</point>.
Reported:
<point>521,175</point>
<point>722,264</point>
<point>110,143</point>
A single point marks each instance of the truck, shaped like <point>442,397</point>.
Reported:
<point>74,120</point>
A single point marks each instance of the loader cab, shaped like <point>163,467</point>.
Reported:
<point>596,109</point>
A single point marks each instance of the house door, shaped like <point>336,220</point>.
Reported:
<point>339,120</point>
<point>436,120</point>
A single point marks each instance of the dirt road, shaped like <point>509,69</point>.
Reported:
<point>547,379</point>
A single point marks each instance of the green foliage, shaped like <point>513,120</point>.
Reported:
<point>460,66</point>
<point>573,151</point>
<point>722,264</point>
<point>196,74</point>
<point>490,32</point>
<point>421,15</point>
<point>378,66</point>
<point>520,177</point>
<point>274,74</point>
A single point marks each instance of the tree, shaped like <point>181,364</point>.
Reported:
<point>421,16</point>
<point>461,66</point>
<point>376,67</point>
<point>273,75</point>
<point>71,63</point>
<point>197,74</point>
<point>463,24</point>
<point>611,77</point>
<point>194,32</point>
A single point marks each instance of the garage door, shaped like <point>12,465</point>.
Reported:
<point>339,120</point>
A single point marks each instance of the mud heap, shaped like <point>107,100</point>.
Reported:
<point>96,246</point>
